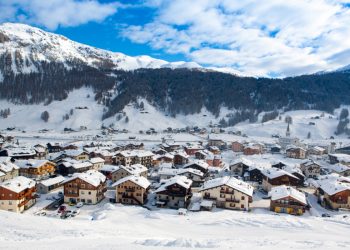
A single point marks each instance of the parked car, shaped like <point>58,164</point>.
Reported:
<point>326,215</point>
<point>79,205</point>
<point>62,209</point>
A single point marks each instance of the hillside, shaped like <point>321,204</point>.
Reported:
<point>42,68</point>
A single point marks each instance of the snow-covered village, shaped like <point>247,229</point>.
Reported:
<point>158,124</point>
<point>202,178</point>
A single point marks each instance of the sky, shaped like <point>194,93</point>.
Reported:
<point>274,38</point>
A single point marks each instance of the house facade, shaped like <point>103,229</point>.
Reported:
<point>174,192</point>
<point>18,194</point>
<point>228,192</point>
<point>88,187</point>
<point>285,199</point>
<point>132,190</point>
<point>36,169</point>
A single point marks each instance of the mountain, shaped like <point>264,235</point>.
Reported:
<point>37,67</point>
<point>23,47</point>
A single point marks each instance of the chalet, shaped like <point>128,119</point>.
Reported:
<point>275,149</point>
<point>339,158</point>
<point>19,153</point>
<point>191,149</point>
<point>296,171</point>
<point>97,163</point>
<point>339,169</point>
<point>17,194</point>
<point>218,143</point>
<point>104,154</point>
<point>296,152</point>
<point>165,158</point>
<point>78,155</point>
<point>195,175</point>
<point>127,158</point>
<point>199,165</point>
<point>174,192</point>
<point>237,146</point>
<point>36,169</point>
<point>316,150</point>
<point>132,190</point>
<point>41,151</point>
<point>288,141</point>
<point>88,187</point>
<point>70,166</point>
<point>239,167</point>
<point>50,184</point>
<point>228,192</point>
<point>310,169</point>
<point>181,158</point>
<point>277,177</point>
<point>54,147</point>
<point>285,199</point>
<point>57,147</point>
<point>170,146</point>
<point>252,150</point>
<point>8,170</point>
<point>123,171</point>
<point>334,193</point>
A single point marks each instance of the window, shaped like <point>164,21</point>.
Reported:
<point>243,197</point>
<point>10,202</point>
<point>82,192</point>
<point>89,193</point>
<point>242,206</point>
<point>82,185</point>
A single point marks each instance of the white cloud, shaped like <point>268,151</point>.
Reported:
<point>54,13</point>
<point>272,37</point>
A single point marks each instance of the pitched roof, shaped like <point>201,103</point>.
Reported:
<point>138,180</point>
<point>92,177</point>
<point>273,173</point>
<point>284,191</point>
<point>178,179</point>
<point>18,184</point>
<point>53,181</point>
<point>230,182</point>
<point>31,163</point>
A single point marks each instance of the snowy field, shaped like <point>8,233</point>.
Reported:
<point>128,227</point>
<point>27,117</point>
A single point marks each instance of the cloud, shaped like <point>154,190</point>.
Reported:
<point>54,13</point>
<point>272,37</point>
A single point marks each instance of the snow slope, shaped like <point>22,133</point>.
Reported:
<point>27,117</point>
<point>31,45</point>
<point>128,227</point>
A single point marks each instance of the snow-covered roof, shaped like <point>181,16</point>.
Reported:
<point>341,157</point>
<point>6,165</point>
<point>73,152</point>
<point>136,153</point>
<point>333,186</point>
<point>200,163</point>
<point>180,180</point>
<point>284,191</point>
<point>53,181</point>
<point>138,180</point>
<point>230,182</point>
<point>92,177</point>
<point>338,168</point>
<point>18,184</point>
<point>20,151</point>
<point>31,163</point>
<point>109,168</point>
<point>96,160</point>
<point>273,173</point>
<point>181,171</point>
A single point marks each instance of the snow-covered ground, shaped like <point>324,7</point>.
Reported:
<point>27,117</point>
<point>129,227</point>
